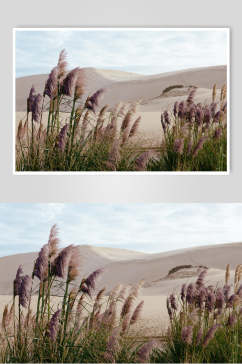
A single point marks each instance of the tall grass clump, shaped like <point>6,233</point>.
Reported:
<point>195,136</point>
<point>89,138</point>
<point>205,323</point>
<point>57,317</point>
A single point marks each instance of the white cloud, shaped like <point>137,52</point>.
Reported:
<point>144,227</point>
<point>141,51</point>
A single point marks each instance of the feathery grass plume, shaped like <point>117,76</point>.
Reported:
<point>183,292</point>
<point>181,109</point>
<point>175,108</point>
<point>113,344</point>
<point>127,120</point>
<point>74,264</point>
<point>20,132</point>
<point>199,145</point>
<point>41,264</point>
<point>163,123</point>
<point>69,82</point>
<point>144,352</point>
<point>223,93</point>
<point>210,301</point>
<point>5,320</point>
<point>213,108</point>
<point>200,279</point>
<point>137,313</point>
<point>233,300</point>
<point>24,291</point>
<point>187,334</point>
<point>53,242</point>
<point>36,109</point>
<point>52,83</point>
<point>210,335</point>
<point>126,323</point>
<point>62,138</point>
<point>201,296</point>
<point>239,291</point>
<point>168,306</point>
<point>173,302</point>
<point>125,135</point>
<point>214,92</point>
<point>91,280</point>
<point>217,133</point>
<point>135,127</point>
<point>231,320</point>
<point>217,117</point>
<point>199,116</point>
<point>227,274</point>
<point>93,101</point>
<point>166,117</point>
<point>127,306</point>
<point>226,290</point>
<point>207,116</point>
<point>190,293</point>
<point>62,64</point>
<point>236,274</point>
<point>30,99</point>
<point>79,87</point>
<point>54,325</point>
<point>17,281</point>
<point>190,98</point>
<point>114,153</point>
<point>61,262</point>
<point>142,161</point>
<point>179,145</point>
<point>219,304</point>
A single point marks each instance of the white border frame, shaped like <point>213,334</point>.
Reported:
<point>228,50</point>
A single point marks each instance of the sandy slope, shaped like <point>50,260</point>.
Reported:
<point>128,87</point>
<point>130,267</point>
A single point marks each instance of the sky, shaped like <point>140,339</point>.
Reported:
<point>151,228</point>
<point>140,51</point>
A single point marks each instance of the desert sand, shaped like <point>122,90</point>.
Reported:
<point>130,267</point>
<point>135,88</point>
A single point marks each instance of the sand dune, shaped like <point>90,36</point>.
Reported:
<point>130,267</point>
<point>128,87</point>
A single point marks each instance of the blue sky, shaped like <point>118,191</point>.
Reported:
<point>143,227</point>
<point>140,51</point>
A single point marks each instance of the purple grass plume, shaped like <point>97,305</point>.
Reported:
<point>200,279</point>
<point>93,101</point>
<point>61,262</point>
<point>210,335</point>
<point>145,351</point>
<point>36,108</point>
<point>17,281</point>
<point>51,84</point>
<point>41,264</point>
<point>91,280</point>
<point>142,161</point>
<point>30,99</point>
<point>137,313</point>
<point>53,242</point>
<point>54,324</point>
<point>62,138</point>
<point>69,82</point>
<point>179,145</point>
<point>25,291</point>
<point>187,334</point>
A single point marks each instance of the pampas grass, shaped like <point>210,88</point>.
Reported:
<point>92,138</point>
